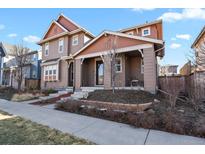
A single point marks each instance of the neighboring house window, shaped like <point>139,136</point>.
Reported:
<point>46,49</point>
<point>146,31</point>
<point>60,45</point>
<point>75,40</point>
<point>142,66</point>
<point>118,65</point>
<point>130,33</point>
<point>50,73</point>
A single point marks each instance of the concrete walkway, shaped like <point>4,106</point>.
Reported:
<point>96,130</point>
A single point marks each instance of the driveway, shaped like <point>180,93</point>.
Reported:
<point>93,129</point>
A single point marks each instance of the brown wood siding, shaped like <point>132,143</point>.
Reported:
<point>53,49</point>
<point>102,44</point>
<point>54,30</point>
<point>67,24</point>
<point>155,30</point>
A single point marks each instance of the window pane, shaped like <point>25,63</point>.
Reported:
<point>50,72</point>
<point>54,71</point>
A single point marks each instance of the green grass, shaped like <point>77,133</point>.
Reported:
<point>18,131</point>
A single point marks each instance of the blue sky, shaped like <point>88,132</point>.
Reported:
<point>180,26</point>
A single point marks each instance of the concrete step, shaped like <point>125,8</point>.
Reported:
<point>54,95</point>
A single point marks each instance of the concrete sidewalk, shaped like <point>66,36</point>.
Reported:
<point>93,129</point>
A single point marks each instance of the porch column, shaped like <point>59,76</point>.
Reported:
<point>78,74</point>
<point>107,72</point>
<point>150,72</point>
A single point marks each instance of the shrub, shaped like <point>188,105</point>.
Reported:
<point>49,91</point>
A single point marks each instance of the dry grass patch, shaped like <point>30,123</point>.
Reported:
<point>18,131</point>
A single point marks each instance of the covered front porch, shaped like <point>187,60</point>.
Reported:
<point>134,63</point>
<point>134,69</point>
<point>128,71</point>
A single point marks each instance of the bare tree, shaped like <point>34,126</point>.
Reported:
<point>21,60</point>
<point>111,45</point>
<point>197,58</point>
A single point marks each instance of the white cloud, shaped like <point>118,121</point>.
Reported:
<point>173,39</point>
<point>175,45</point>
<point>142,9</point>
<point>185,14</point>
<point>31,39</point>
<point>183,36</point>
<point>12,35</point>
<point>2,26</point>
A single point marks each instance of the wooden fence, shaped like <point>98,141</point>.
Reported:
<point>192,85</point>
<point>32,84</point>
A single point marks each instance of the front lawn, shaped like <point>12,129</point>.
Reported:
<point>18,131</point>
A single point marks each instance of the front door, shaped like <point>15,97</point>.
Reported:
<point>70,74</point>
<point>99,72</point>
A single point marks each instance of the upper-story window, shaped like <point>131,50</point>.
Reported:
<point>75,40</point>
<point>146,31</point>
<point>130,33</point>
<point>60,45</point>
<point>46,49</point>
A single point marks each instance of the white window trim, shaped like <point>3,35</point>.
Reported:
<point>51,68</point>
<point>120,58</point>
<point>149,31</point>
<point>47,44</point>
<point>61,39</point>
<point>142,66</point>
<point>130,33</point>
<point>75,36</point>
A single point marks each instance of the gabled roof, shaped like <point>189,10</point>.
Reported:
<point>198,37</point>
<point>68,19</point>
<point>140,26</point>
<point>151,40</point>
<point>54,22</point>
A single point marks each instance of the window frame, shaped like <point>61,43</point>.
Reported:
<point>49,74</point>
<point>120,71</point>
<point>142,66</point>
<point>149,31</point>
<point>46,53</point>
<point>73,40</point>
<point>59,45</point>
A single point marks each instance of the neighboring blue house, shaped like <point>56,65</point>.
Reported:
<point>31,70</point>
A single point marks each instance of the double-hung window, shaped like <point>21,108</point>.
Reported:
<point>75,40</point>
<point>46,49</point>
<point>118,65</point>
<point>60,45</point>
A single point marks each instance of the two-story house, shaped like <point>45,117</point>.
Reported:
<point>63,38</point>
<point>31,69</point>
<point>73,56</point>
<point>199,47</point>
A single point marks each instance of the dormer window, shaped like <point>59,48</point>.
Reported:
<point>75,40</point>
<point>130,33</point>
<point>46,49</point>
<point>60,45</point>
<point>146,31</point>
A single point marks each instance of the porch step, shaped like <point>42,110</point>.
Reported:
<point>91,89</point>
<point>79,95</point>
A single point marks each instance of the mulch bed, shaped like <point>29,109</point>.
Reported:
<point>122,96</point>
<point>51,100</point>
<point>182,119</point>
